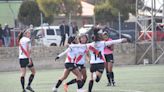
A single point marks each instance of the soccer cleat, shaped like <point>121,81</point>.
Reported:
<point>54,89</point>
<point>113,82</point>
<point>30,89</point>
<point>109,84</point>
<point>80,90</point>
<point>65,87</point>
<point>24,90</point>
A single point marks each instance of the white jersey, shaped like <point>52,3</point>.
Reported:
<point>72,53</point>
<point>81,56</point>
<point>97,47</point>
<point>24,42</point>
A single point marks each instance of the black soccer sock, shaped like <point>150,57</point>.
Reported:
<point>58,83</point>
<point>108,76</point>
<point>71,82</point>
<point>22,82</point>
<point>79,84</point>
<point>112,76</point>
<point>30,79</point>
<point>83,82</point>
<point>90,85</point>
<point>97,79</point>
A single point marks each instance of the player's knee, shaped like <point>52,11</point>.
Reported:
<point>23,74</point>
<point>34,72</point>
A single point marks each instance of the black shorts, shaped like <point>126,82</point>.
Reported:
<point>25,63</point>
<point>80,67</point>
<point>70,66</point>
<point>97,67</point>
<point>109,58</point>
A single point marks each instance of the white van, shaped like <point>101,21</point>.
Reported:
<point>47,36</point>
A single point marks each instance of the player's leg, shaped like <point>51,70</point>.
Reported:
<point>23,63</point>
<point>64,76</point>
<point>22,78</point>
<point>107,74</point>
<point>84,76</point>
<point>110,69</point>
<point>78,75</point>
<point>99,71</point>
<point>33,71</point>
<point>91,82</point>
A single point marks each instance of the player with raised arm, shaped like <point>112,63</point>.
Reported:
<point>70,65</point>
<point>80,61</point>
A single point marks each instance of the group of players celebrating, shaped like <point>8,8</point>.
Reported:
<point>100,56</point>
<point>99,53</point>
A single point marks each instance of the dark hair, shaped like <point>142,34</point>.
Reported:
<point>96,35</point>
<point>71,39</point>
<point>20,35</point>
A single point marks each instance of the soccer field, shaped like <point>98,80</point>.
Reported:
<point>128,79</point>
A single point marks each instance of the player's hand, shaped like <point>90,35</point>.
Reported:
<point>56,58</point>
<point>30,61</point>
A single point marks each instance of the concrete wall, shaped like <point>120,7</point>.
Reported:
<point>44,57</point>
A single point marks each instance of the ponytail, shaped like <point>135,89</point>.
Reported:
<point>20,35</point>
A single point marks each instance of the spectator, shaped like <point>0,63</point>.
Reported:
<point>67,30</point>
<point>63,32</point>
<point>7,35</point>
<point>1,35</point>
<point>75,28</point>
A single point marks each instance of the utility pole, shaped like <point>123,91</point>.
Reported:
<point>163,12</point>
<point>41,19</point>
<point>119,21</point>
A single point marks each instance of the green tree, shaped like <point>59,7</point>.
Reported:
<point>108,11</point>
<point>29,13</point>
<point>71,6</point>
<point>56,7</point>
<point>49,7</point>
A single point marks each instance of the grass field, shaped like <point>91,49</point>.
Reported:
<point>128,79</point>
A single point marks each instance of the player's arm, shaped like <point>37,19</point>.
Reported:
<point>77,45</point>
<point>107,43</point>
<point>29,52</point>
<point>63,53</point>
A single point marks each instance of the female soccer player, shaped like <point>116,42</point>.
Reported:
<point>25,59</point>
<point>108,53</point>
<point>80,61</point>
<point>70,65</point>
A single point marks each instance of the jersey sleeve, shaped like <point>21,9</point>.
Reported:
<point>63,53</point>
<point>113,42</point>
<point>77,45</point>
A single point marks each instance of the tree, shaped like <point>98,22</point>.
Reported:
<point>29,13</point>
<point>51,7</point>
<point>108,11</point>
<point>72,6</point>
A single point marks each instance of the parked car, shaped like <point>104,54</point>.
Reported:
<point>47,35</point>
